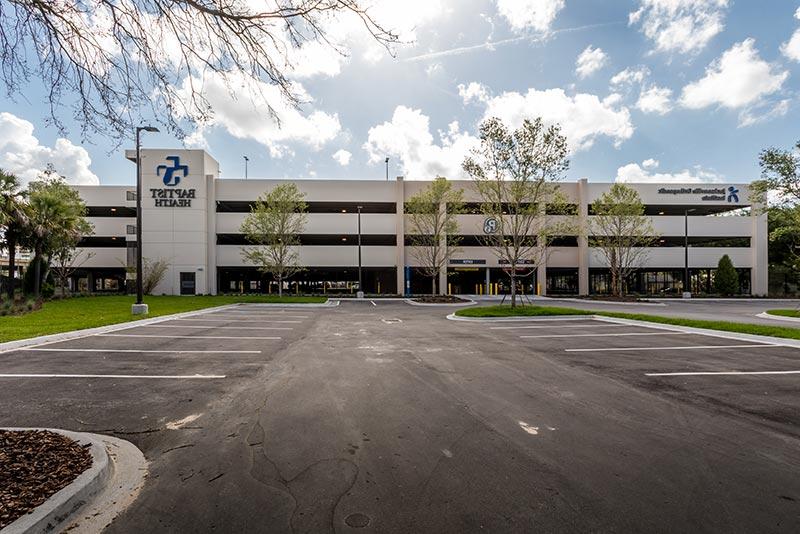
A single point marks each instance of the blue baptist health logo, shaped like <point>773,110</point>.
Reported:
<point>733,194</point>
<point>171,174</point>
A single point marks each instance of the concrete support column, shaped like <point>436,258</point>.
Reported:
<point>541,277</point>
<point>488,287</point>
<point>400,228</point>
<point>759,273</point>
<point>583,240</point>
<point>211,238</point>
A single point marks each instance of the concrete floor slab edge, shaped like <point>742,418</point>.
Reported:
<point>765,315</point>
<point>54,513</point>
<point>75,334</point>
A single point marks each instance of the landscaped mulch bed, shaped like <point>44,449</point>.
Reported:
<point>35,464</point>
<point>439,299</point>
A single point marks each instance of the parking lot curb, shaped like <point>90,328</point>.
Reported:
<point>75,334</point>
<point>785,342</point>
<point>590,301</point>
<point>413,303</point>
<point>330,303</point>
<point>765,315</point>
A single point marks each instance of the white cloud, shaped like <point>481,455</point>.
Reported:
<point>634,173</point>
<point>342,157</point>
<point>242,111</point>
<point>655,100</point>
<point>737,79</point>
<point>748,117</point>
<point>630,76</point>
<point>590,61</point>
<point>684,26</point>
<point>583,117</point>
<point>525,15</point>
<point>473,92</point>
<point>408,137</point>
<point>791,48</point>
<point>21,154</point>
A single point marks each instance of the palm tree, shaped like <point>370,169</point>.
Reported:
<point>13,221</point>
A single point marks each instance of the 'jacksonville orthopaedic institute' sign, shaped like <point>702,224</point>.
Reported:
<point>172,196</point>
<point>708,194</point>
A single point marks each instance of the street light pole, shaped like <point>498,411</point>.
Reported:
<point>246,159</point>
<point>687,290</point>
<point>139,308</point>
<point>360,293</point>
<point>387,168</point>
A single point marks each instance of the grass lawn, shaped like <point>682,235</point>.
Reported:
<point>785,313</point>
<point>89,312</point>
<point>527,311</point>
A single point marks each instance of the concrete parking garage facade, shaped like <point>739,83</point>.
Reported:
<point>191,220</point>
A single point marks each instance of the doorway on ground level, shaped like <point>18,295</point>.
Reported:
<point>187,283</point>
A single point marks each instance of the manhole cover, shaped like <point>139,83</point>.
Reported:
<point>357,520</point>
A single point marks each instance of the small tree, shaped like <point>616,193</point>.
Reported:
<point>621,232</point>
<point>153,272</point>
<point>433,226</point>
<point>515,176</point>
<point>65,260</point>
<point>13,221</point>
<point>273,226</point>
<point>726,279</point>
<point>57,214</point>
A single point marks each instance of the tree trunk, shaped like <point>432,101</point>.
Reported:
<point>12,263</point>
<point>513,287</point>
<point>280,286</point>
<point>37,272</point>
<point>433,285</point>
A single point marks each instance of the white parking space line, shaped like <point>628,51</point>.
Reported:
<point>259,315</point>
<point>178,377</point>
<point>609,325</point>
<point>142,351</point>
<point>373,303</point>
<point>648,349</point>
<point>237,320</point>
<point>216,327</point>
<point>734,373</point>
<point>610,335</point>
<point>186,337</point>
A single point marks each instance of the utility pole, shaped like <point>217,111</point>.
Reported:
<point>246,159</point>
<point>140,308</point>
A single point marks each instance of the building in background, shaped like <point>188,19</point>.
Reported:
<point>191,220</point>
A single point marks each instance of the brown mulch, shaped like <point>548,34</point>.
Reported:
<point>439,299</point>
<point>35,464</point>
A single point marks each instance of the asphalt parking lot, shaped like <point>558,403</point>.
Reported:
<point>390,418</point>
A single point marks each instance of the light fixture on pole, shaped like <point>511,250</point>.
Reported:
<point>360,293</point>
<point>387,168</point>
<point>246,159</point>
<point>140,308</point>
<point>687,290</point>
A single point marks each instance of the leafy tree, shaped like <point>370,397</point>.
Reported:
<point>57,219</point>
<point>121,60</point>
<point>780,175</point>
<point>726,279</point>
<point>515,175</point>
<point>65,259</point>
<point>13,220</point>
<point>620,231</point>
<point>784,243</point>
<point>274,224</point>
<point>433,226</point>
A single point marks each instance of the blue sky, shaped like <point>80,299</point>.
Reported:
<point>665,90</point>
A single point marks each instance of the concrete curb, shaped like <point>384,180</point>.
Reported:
<point>470,302</point>
<point>330,303</point>
<point>543,318</point>
<point>55,511</point>
<point>765,315</point>
<point>75,334</point>
<point>784,342</point>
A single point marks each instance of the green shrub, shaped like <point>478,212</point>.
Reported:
<point>726,279</point>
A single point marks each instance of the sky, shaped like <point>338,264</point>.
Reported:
<point>645,91</point>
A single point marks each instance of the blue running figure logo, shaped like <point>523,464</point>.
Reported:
<point>733,194</point>
<point>171,177</point>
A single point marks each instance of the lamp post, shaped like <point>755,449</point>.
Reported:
<point>140,308</point>
<point>360,293</point>
<point>246,159</point>
<point>687,290</point>
<point>387,168</point>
